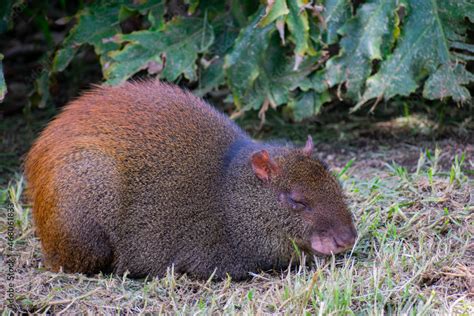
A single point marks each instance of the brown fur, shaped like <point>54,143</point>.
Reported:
<point>144,176</point>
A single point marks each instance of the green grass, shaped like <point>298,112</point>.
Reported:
<point>413,255</point>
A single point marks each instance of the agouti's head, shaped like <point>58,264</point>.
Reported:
<point>310,199</point>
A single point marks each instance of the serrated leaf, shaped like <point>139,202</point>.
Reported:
<point>361,44</point>
<point>273,10</point>
<point>389,39</point>
<point>308,104</point>
<point>211,77</point>
<point>450,17</point>
<point>156,16</point>
<point>335,14</point>
<point>179,43</point>
<point>242,63</point>
<point>297,21</point>
<point>226,31</point>
<point>315,32</point>
<point>278,77</point>
<point>153,9</point>
<point>316,82</point>
<point>3,85</point>
<point>95,23</point>
<point>423,47</point>
<point>98,23</point>
<point>258,69</point>
<point>448,81</point>
<point>243,11</point>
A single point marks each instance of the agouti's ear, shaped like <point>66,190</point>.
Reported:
<point>263,166</point>
<point>309,147</point>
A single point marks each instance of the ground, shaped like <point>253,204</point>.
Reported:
<point>413,201</point>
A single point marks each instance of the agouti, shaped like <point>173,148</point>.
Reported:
<point>144,176</point>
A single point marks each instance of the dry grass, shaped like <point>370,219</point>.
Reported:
<point>414,256</point>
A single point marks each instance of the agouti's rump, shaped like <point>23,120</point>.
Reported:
<point>144,176</point>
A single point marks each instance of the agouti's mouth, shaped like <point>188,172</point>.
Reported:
<point>332,243</point>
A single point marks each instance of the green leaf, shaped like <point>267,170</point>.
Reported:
<point>3,85</point>
<point>316,82</point>
<point>179,43</point>
<point>242,64</point>
<point>211,77</point>
<point>335,14</point>
<point>154,10</point>
<point>448,81</point>
<point>99,23</point>
<point>297,21</point>
<point>361,44</point>
<point>308,104</point>
<point>156,16</point>
<point>42,88</point>
<point>431,27</point>
<point>258,69</point>
<point>226,32</point>
<point>273,11</point>
<point>450,17</point>
<point>243,9</point>
<point>278,77</point>
<point>95,23</point>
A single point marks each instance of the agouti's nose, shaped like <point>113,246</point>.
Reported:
<point>346,238</point>
<point>335,241</point>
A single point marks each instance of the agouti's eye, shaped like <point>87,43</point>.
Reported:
<point>296,205</point>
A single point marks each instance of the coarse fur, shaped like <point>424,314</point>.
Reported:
<point>144,176</point>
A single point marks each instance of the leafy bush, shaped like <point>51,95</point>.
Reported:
<point>295,53</point>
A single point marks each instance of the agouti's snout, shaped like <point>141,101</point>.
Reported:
<point>333,241</point>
